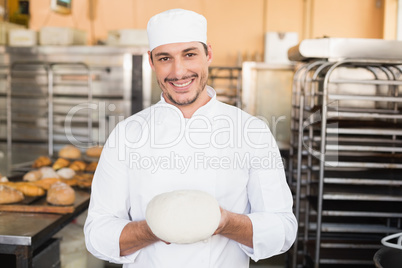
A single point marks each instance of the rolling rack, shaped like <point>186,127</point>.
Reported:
<point>40,116</point>
<point>227,83</point>
<point>346,150</point>
<point>4,76</point>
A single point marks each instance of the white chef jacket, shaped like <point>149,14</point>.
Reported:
<point>220,150</point>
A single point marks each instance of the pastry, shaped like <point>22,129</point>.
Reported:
<point>42,161</point>
<point>84,180</point>
<point>46,183</point>
<point>48,172</point>
<point>91,167</point>
<point>10,195</point>
<point>70,152</point>
<point>65,173</point>
<point>60,163</point>
<point>32,175</point>
<point>60,194</point>
<point>27,188</point>
<point>71,182</point>
<point>94,151</point>
<point>78,165</point>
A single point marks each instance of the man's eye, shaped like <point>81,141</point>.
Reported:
<point>190,55</point>
<point>164,59</point>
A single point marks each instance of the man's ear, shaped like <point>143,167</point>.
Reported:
<point>150,60</point>
<point>209,54</point>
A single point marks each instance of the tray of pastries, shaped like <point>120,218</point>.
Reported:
<point>51,182</point>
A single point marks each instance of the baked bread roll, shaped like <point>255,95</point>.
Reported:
<point>10,195</point>
<point>42,161</point>
<point>65,173</point>
<point>46,183</point>
<point>78,165</point>
<point>60,194</point>
<point>32,175</point>
<point>91,167</point>
<point>60,163</point>
<point>84,180</point>
<point>71,182</point>
<point>27,188</point>
<point>94,151</point>
<point>70,152</point>
<point>48,172</point>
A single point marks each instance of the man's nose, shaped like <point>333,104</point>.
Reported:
<point>180,68</point>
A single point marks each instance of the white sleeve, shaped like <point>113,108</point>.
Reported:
<point>109,206</point>
<point>271,201</point>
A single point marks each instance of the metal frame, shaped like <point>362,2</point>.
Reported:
<point>312,90</point>
<point>49,68</point>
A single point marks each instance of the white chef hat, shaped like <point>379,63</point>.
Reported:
<point>176,26</point>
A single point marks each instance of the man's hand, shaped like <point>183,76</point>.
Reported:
<point>237,227</point>
<point>136,235</point>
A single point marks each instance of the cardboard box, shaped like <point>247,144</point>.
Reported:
<point>62,36</point>
<point>5,27</point>
<point>127,37</point>
<point>22,37</point>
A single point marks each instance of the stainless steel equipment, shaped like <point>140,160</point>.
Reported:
<point>345,168</point>
<point>54,96</point>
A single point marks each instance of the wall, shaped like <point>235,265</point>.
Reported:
<point>235,27</point>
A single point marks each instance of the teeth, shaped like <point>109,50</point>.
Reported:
<point>182,85</point>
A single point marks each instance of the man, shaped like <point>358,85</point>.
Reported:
<point>189,140</point>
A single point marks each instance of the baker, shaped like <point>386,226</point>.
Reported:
<point>189,141</point>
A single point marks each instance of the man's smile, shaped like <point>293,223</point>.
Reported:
<point>183,84</point>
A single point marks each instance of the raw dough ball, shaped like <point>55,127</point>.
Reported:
<point>183,216</point>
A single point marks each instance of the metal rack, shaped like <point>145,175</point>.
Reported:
<point>35,111</point>
<point>63,95</point>
<point>345,159</point>
<point>227,83</point>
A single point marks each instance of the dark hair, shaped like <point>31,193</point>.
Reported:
<point>203,44</point>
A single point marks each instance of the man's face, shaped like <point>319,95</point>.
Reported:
<point>182,71</point>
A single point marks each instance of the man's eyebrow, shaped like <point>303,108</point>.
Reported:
<point>190,49</point>
<point>164,54</point>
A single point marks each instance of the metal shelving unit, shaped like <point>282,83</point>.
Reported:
<point>346,161</point>
<point>67,95</point>
<point>227,83</point>
<point>34,116</point>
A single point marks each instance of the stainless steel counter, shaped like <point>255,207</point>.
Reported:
<point>22,233</point>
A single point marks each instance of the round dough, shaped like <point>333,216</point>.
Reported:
<point>183,216</point>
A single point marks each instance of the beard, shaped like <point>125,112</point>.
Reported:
<point>202,85</point>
